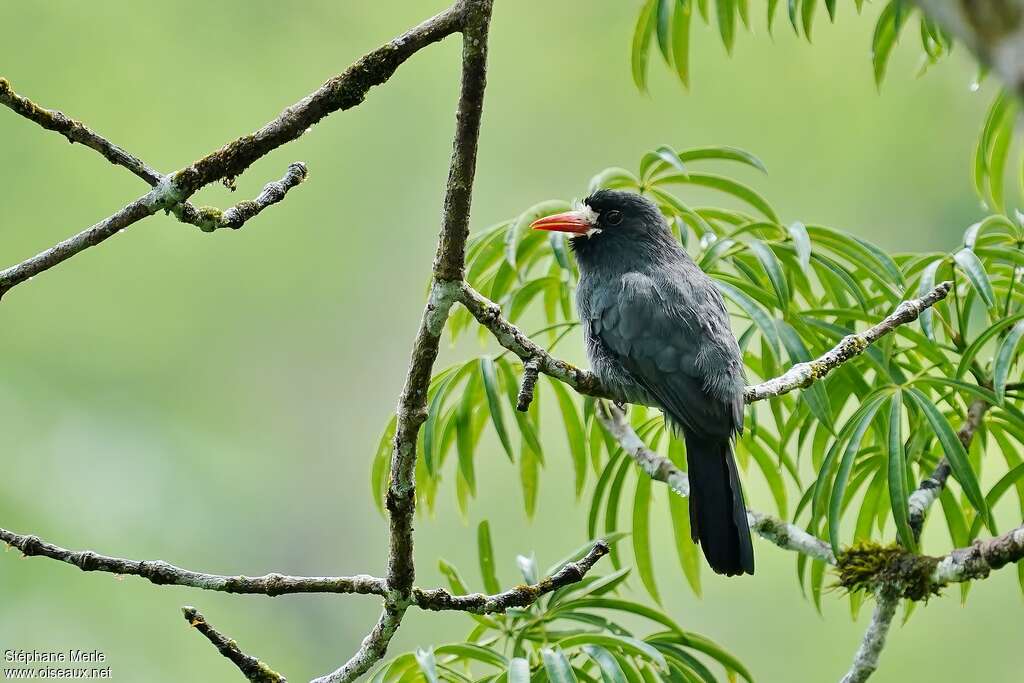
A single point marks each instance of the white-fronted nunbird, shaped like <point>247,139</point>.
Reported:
<point>657,333</point>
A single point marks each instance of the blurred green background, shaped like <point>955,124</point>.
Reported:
<point>214,400</point>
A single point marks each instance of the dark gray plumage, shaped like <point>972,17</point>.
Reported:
<point>657,332</point>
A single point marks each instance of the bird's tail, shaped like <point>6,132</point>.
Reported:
<point>718,515</point>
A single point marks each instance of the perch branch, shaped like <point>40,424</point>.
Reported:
<point>163,573</point>
<point>977,560</point>
<point>520,596</point>
<point>781,533</point>
<point>252,668</point>
<point>800,376</point>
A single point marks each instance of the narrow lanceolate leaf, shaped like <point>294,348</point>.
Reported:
<point>886,32</point>
<point>381,470</point>
<point>802,244</point>
<point>1005,357</point>
<point>642,535</point>
<point>610,670</point>
<point>954,451</point>
<point>681,39</point>
<point>519,670</point>
<point>726,13</point>
<point>898,473</point>
<point>973,268</point>
<point>573,432</point>
<point>864,417</point>
<point>557,666</point>
<point>428,665</point>
<point>772,268</point>
<point>492,389</point>
<point>627,644</point>
<point>642,43</point>
<point>686,549</point>
<point>807,16</point>
<point>927,285</point>
<point>815,395</point>
<point>486,553</point>
<point>663,22</point>
<point>763,321</point>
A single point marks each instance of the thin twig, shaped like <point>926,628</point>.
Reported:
<point>781,533</point>
<point>208,218</point>
<point>75,131</point>
<point>531,369</point>
<point>980,558</point>
<point>252,668</point>
<point>520,596</point>
<point>163,573</point>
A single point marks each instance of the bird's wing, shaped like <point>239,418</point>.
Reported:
<point>674,340</point>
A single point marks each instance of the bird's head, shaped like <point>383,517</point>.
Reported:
<point>612,222</point>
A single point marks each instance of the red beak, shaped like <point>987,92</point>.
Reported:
<point>575,222</point>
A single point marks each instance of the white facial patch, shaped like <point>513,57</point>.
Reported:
<point>590,216</point>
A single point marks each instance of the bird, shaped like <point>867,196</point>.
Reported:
<point>657,333</point>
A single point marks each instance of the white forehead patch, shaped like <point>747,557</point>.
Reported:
<point>589,215</point>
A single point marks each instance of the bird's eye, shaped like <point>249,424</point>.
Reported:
<point>613,217</point>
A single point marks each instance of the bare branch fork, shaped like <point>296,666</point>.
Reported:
<point>171,193</point>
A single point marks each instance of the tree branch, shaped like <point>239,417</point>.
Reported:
<point>473,17</point>
<point>977,560</point>
<point>163,573</point>
<point>252,668</point>
<point>338,94</point>
<point>800,376</point>
<point>866,660</point>
<point>803,375</point>
<point>520,596</point>
<point>786,536</point>
<point>75,131</point>
<point>209,218</point>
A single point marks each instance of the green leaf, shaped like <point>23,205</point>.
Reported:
<point>428,665</point>
<point>491,388</point>
<point>954,452</point>
<point>1005,357</point>
<point>816,397</point>
<point>611,672</point>
<point>381,471</point>
<point>802,244</point>
<point>522,225</point>
<point>898,473</point>
<point>863,417</point>
<point>486,555</point>
<point>927,285</point>
<point>663,22</point>
<point>642,44</point>
<point>519,670</point>
<point>773,268</point>
<point>642,536</point>
<point>686,549</point>
<point>972,267</point>
<point>557,666</point>
<point>728,186</point>
<point>573,432</point>
<point>726,13</point>
<point>807,16</point>
<point>627,644</point>
<point>681,39</point>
